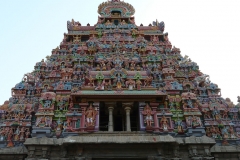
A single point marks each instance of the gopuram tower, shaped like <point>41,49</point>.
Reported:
<point>116,90</point>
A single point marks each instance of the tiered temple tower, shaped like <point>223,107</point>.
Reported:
<point>116,82</point>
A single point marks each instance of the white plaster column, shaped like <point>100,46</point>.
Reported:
<point>128,122</point>
<point>110,106</point>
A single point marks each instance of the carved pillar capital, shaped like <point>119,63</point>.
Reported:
<point>127,105</point>
<point>110,104</point>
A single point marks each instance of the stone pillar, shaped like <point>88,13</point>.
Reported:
<point>127,108</point>
<point>128,122</point>
<point>110,106</point>
<point>110,122</point>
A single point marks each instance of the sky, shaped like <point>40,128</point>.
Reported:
<point>208,31</point>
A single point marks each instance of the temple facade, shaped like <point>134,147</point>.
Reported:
<point>116,90</point>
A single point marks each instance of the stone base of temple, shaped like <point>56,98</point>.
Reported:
<point>121,146</point>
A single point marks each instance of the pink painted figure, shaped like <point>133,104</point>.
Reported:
<point>148,115</point>
<point>90,116</point>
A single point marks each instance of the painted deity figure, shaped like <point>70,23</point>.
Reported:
<point>189,121</point>
<point>138,84</point>
<point>130,84</point>
<point>231,132</point>
<point>179,125</point>
<point>195,122</point>
<point>2,134</point>
<point>189,103</point>
<point>215,113</point>
<point>16,134</point>
<point>48,121</point>
<point>90,116</point>
<point>47,104</point>
<point>213,131</point>
<point>9,138</point>
<point>207,114</point>
<point>58,129</point>
<point>21,135</point>
<point>164,124</point>
<point>148,112</point>
<point>208,132</point>
<point>27,133</point>
<point>41,122</point>
<point>225,113</point>
<point>225,133</point>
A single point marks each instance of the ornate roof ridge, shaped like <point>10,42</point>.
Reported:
<point>126,9</point>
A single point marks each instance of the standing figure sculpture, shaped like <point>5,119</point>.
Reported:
<point>90,116</point>
<point>179,124</point>
<point>148,119</point>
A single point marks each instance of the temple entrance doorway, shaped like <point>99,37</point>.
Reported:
<point>117,111</point>
<point>118,118</point>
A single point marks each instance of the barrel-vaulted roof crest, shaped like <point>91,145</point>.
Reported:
<point>116,8</point>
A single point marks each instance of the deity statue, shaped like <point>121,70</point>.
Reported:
<point>101,85</point>
<point>90,116</point>
<point>179,124</point>
<point>235,116</point>
<point>148,112</point>
<point>189,103</point>
<point>108,23</point>
<point>148,81</point>
<point>164,124</point>
<point>231,132</point>
<point>189,121</point>
<point>215,132</point>
<point>16,134</point>
<point>108,85</point>
<point>225,133</point>
<point>48,121</point>
<point>21,135</point>
<point>130,84</point>
<point>9,138</point>
<point>195,122</point>
<point>215,113</point>
<point>58,129</point>
<point>27,133</point>
<point>2,134</point>
<point>91,81</point>
<point>225,113</point>
<point>138,84</point>
<point>207,114</point>
<point>40,122</point>
<point>208,132</point>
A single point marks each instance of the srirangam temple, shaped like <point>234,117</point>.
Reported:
<point>116,90</point>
